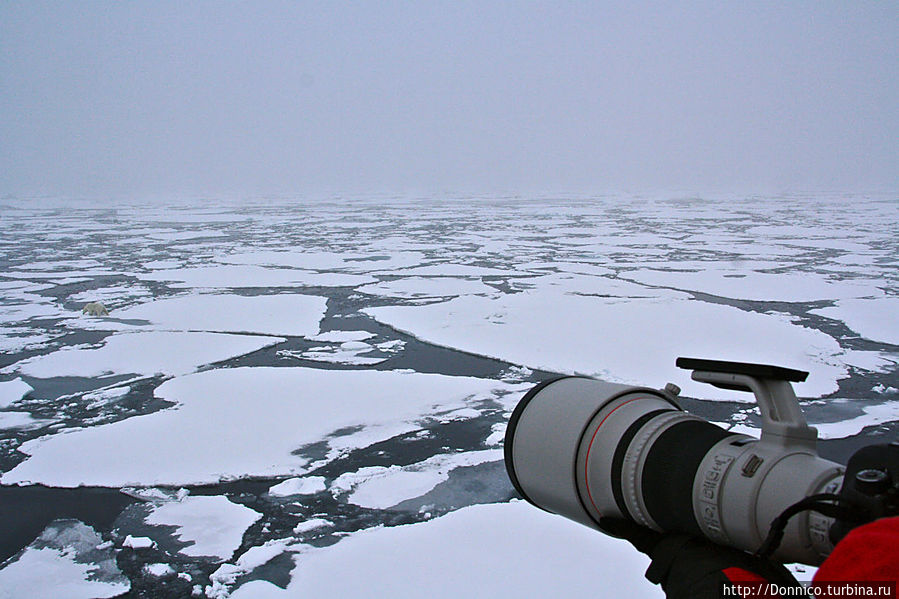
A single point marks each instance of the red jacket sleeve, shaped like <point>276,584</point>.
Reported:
<point>868,553</point>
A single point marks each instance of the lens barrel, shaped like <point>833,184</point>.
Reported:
<point>587,449</point>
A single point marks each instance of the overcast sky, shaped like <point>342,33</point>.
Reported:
<point>149,98</point>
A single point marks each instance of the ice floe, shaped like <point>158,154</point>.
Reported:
<point>69,559</point>
<point>496,550</point>
<point>246,422</point>
<point>158,570</point>
<point>308,485</point>
<point>382,487</point>
<point>148,353</point>
<point>283,314</point>
<point>12,391</point>
<point>311,524</point>
<point>211,526</point>
<point>420,287</point>
<point>634,341</point>
<point>872,415</point>
<point>257,556</point>
<point>138,542</point>
<point>757,286</point>
<point>342,336</point>
<point>877,320</point>
<point>21,420</point>
<point>353,262</point>
<point>236,276</point>
<point>351,351</point>
<point>112,297</point>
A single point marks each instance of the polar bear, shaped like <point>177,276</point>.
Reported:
<point>95,309</point>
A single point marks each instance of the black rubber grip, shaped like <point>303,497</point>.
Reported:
<point>669,471</point>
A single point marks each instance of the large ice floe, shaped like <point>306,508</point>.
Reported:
<point>152,352</point>
<point>499,550</point>
<point>246,422</point>
<point>244,276</point>
<point>280,314</point>
<point>633,340</point>
<point>874,319</point>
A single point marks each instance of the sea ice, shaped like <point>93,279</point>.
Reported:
<point>382,487</point>
<point>420,287</point>
<point>874,319</point>
<point>311,524</point>
<point>234,276</point>
<point>873,415</point>
<point>327,261</point>
<point>348,352</point>
<point>138,542</point>
<point>12,391</point>
<point>183,235</point>
<point>20,420</point>
<point>69,559</point>
<point>211,525</point>
<point>246,422</point>
<point>158,570</point>
<point>450,269</point>
<point>283,314</point>
<point>496,550</point>
<point>111,297</point>
<point>254,557</point>
<point>145,353</point>
<point>342,336</point>
<point>633,341</point>
<point>752,285</point>
<point>308,485</point>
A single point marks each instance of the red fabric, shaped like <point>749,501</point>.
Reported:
<point>741,575</point>
<point>869,552</point>
<point>751,584</point>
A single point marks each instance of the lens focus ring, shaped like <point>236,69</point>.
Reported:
<point>635,460</point>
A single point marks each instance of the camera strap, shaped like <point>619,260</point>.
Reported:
<point>828,504</point>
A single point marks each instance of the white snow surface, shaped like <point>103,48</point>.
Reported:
<point>877,320</point>
<point>285,314</point>
<point>351,261</point>
<point>137,542</point>
<point>298,486</point>
<point>753,285</point>
<point>237,276</point>
<point>158,570</point>
<point>245,422</point>
<point>342,336</point>
<point>873,415</point>
<point>144,353</point>
<point>311,524</point>
<point>497,550</point>
<point>12,391</point>
<point>212,525</point>
<point>632,341</point>
<point>49,573</point>
<point>421,287</point>
<point>20,420</point>
<point>68,559</point>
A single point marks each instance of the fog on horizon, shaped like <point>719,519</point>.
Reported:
<point>135,99</point>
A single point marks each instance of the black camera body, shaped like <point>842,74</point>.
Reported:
<point>870,487</point>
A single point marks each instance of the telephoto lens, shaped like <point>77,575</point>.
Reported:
<point>587,449</point>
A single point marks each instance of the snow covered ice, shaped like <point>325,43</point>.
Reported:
<point>288,390</point>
